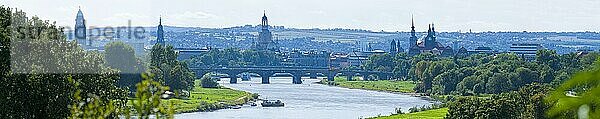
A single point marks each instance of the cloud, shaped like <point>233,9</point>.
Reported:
<point>124,17</point>
<point>195,15</point>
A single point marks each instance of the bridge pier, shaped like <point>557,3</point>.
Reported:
<point>313,75</point>
<point>297,77</point>
<point>232,78</point>
<point>331,76</point>
<point>265,77</point>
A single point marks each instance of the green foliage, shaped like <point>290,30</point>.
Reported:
<point>209,99</point>
<point>34,77</point>
<point>526,103</point>
<point>146,103</point>
<point>93,107</point>
<point>379,62</point>
<point>169,71</point>
<point>426,71</point>
<point>120,56</point>
<point>401,66</point>
<point>429,114</point>
<point>148,99</point>
<point>208,81</point>
<point>382,85</point>
<point>580,91</point>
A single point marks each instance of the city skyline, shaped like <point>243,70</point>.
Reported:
<point>450,15</point>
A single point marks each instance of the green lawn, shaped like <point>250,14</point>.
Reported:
<point>381,85</point>
<point>206,99</point>
<point>429,114</point>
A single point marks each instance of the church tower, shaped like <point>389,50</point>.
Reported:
<point>429,40</point>
<point>393,47</point>
<point>80,29</point>
<point>265,39</point>
<point>413,35</point>
<point>160,38</point>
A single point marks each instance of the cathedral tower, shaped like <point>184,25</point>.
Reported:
<point>413,35</point>
<point>393,47</point>
<point>80,29</point>
<point>265,39</point>
<point>160,35</point>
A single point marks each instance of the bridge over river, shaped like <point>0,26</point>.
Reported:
<point>296,72</point>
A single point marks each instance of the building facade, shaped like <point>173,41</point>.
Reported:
<point>527,51</point>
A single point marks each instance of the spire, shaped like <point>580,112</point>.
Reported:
<point>429,28</point>
<point>264,21</point>
<point>412,20</point>
<point>160,20</point>
<point>432,27</point>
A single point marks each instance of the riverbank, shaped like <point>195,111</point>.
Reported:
<point>429,114</point>
<point>210,99</point>
<point>405,87</point>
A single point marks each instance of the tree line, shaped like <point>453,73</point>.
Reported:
<point>503,85</point>
<point>480,73</point>
<point>43,75</point>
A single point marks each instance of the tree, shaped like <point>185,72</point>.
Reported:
<point>401,65</point>
<point>121,56</point>
<point>548,57</point>
<point>35,83</point>
<point>525,103</point>
<point>379,62</point>
<point>577,96</point>
<point>207,81</point>
<point>169,70</point>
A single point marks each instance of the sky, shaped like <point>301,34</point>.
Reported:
<point>376,15</point>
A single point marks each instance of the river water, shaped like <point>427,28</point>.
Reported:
<point>310,101</point>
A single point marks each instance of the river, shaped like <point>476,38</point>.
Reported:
<point>310,101</point>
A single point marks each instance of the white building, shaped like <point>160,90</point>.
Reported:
<point>525,50</point>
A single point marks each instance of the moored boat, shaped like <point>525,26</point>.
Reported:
<point>272,103</point>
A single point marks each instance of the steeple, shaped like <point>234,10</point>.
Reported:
<point>160,38</point>
<point>412,21</point>
<point>393,47</point>
<point>432,29</point>
<point>80,29</point>
<point>264,21</point>
<point>413,35</point>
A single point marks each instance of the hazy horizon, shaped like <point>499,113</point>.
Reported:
<point>375,15</point>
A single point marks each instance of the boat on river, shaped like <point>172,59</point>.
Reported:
<point>252,104</point>
<point>272,103</point>
<point>245,76</point>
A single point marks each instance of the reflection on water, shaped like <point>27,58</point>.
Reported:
<point>311,101</point>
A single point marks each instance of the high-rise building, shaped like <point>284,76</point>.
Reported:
<point>265,39</point>
<point>80,29</point>
<point>160,38</point>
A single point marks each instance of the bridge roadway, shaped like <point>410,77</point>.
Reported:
<point>297,72</point>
